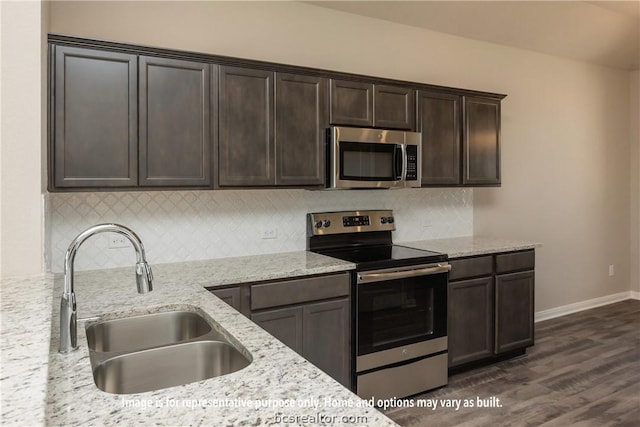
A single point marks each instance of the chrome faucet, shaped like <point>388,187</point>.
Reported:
<point>68,320</point>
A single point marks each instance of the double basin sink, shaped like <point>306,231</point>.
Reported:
<point>154,351</point>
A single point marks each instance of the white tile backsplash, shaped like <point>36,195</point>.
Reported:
<point>193,225</point>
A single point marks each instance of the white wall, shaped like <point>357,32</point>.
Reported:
<point>634,121</point>
<point>23,32</point>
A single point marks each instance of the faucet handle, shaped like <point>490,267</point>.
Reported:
<point>144,277</point>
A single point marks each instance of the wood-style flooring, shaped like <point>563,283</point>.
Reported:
<point>584,370</point>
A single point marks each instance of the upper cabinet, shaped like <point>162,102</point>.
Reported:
<point>460,139</point>
<point>131,117</point>
<point>272,128</point>
<point>301,120</point>
<point>175,146</point>
<point>371,105</point>
<point>95,119</point>
<point>246,144</point>
<point>439,123</point>
<point>481,141</point>
<point>122,121</point>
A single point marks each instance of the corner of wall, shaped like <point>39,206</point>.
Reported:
<point>634,135</point>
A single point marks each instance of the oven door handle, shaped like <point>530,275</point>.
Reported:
<point>365,277</point>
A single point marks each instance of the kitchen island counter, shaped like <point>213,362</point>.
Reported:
<point>278,387</point>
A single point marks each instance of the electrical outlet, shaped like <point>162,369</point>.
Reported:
<point>117,241</point>
<point>611,270</point>
<point>270,233</point>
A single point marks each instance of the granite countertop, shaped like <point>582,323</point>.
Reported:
<point>40,386</point>
<point>459,247</point>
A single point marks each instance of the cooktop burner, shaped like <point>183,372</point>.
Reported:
<point>364,238</point>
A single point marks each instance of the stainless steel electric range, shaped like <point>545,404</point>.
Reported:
<point>399,303</point>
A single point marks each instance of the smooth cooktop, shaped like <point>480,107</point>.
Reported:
<point>384,256</point>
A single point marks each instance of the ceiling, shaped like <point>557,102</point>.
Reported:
<point>600,32</point>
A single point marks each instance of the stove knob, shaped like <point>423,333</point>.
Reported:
<point>318,224</point>
<point>326,223</point>
<point>390,220</point>
<point>383,220</point>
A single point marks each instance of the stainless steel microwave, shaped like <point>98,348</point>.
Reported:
<point>373,158</point>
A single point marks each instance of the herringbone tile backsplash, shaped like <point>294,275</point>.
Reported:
<point>194,225</point>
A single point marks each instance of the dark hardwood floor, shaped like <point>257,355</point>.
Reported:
<point>584,370</point>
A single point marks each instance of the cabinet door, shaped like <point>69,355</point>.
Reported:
<point>301,120</point>
<point>175,146</point>
<point>284,324</point>
<point>470,320</point>
<point>514,311</point>
<point>351,103</point>
<point>95,119</point>
<point>439,122</point>
<point>327,338</point>
<point>394,107</point>
<point>481,142</point>
<point>230,296</point>
<point>246,144</point>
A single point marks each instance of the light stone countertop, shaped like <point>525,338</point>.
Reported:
<point>42,387</point>
<point>459,247</point>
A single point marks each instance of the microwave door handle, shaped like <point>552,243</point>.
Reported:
<point>398,157</point>
<point>364,277</point>
<point>404,162</point>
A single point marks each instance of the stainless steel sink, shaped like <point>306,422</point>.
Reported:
<point>146,331</point>
<point>153,351</point>
<point>168,366</point>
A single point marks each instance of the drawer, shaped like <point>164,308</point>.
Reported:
<point>297,291</point>
<point>515,261</point>
<point>471,267</point>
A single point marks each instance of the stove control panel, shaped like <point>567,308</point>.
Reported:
<point>355,221</point>
<point>349,222</point>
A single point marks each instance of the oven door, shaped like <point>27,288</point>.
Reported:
<point>401,314</point>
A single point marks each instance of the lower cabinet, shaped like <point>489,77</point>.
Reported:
<point>311,315</point>
<point>320,332</point>
<point>514,311</point>
<point>470,320</point>
<point>490,306</point>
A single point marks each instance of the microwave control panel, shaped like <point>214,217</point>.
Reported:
<point>412,163</point>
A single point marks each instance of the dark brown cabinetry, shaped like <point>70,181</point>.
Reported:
<point>230,296</point>
<point>367,105</point>
<point>393,107</point>
<point>470,320</point>
<point>514,311</point>
<point>95,119</point>
<point>312,316</point>
<point>125,116</point>
<point>481,141</point>
<point>490,307</point>
<point>265,141</point>
<point>175,144</point>
<point>439,123</point>
<point>246,142</point>
<point>301,120</point>
<point>459,151</point>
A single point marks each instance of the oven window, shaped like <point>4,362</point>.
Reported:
<point>401,312</point>
<point>367,162</point>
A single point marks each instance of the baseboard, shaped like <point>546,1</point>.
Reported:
<point>584,305</point>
